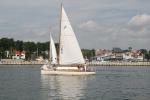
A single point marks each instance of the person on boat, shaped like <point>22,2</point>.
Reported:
<point>85,67</point>
<point>80,68</point>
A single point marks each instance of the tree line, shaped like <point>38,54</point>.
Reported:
<point>146,53</point>
<point>33,49</point>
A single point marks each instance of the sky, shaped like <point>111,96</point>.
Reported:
<point>96,23</point>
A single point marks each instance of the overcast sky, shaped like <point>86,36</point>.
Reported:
<point>97,23</point>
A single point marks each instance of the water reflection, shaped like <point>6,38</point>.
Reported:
<point>110,83</point>
<point>63,87</point>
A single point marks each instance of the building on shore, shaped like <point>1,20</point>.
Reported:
<point>19,55</point>
<point>102,55</point>
<point>116,54</point>
<point>133,55</point>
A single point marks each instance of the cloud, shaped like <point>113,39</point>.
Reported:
<point>90,24</point>
<point>104,36</point>
<point>138,27</point>
<point>98,24</point>
<point>98,34</point>
<point>96,28</point>
<point>139,21</point>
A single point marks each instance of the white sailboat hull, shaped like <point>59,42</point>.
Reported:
<point>66,71</point>
<point>52,72</point>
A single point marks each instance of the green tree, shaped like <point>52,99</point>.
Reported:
<point>6,44</point>
<point>88,53</point>
<point>144,51</point>
<point>30,46</point>
<point>93,52</point>
<point>19,45</point>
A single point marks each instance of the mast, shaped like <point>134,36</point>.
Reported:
<point>50,48</point>
<point>58,58</point>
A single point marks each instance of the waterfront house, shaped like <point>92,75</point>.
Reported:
<point>19,55</point>
<point>133,55</point>
<point>102,55</point>
<point>117,54</point>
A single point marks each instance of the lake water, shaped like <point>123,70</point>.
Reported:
<point>110,83</point>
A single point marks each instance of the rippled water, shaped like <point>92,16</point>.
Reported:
<point>110,83</point>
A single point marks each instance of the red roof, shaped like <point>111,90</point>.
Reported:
<point>20,52</point>
<point>102,51</point>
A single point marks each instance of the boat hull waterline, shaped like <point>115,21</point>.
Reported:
<point>52,72</point>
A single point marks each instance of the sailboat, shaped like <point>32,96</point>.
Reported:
<point>70,60</point>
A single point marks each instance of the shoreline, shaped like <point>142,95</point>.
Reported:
<point>118,63</point>
<point>19,62</point>
<point>93,63</point>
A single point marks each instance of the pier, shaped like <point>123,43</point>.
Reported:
<point>93,63</point>
<point>96,63</point>
<point>19,62</point>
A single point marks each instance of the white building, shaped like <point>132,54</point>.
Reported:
<point>19,55</point>
<point>133,55</point>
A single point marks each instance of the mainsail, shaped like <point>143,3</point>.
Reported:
<point>69,52</point>
<point>53,55</point>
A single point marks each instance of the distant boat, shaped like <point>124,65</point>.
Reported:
<point>70,60</point>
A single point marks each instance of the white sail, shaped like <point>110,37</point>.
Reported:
<point>53,54</point>
<point>70,52</point>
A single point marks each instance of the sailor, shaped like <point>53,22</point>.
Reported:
<point>85,67</point>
